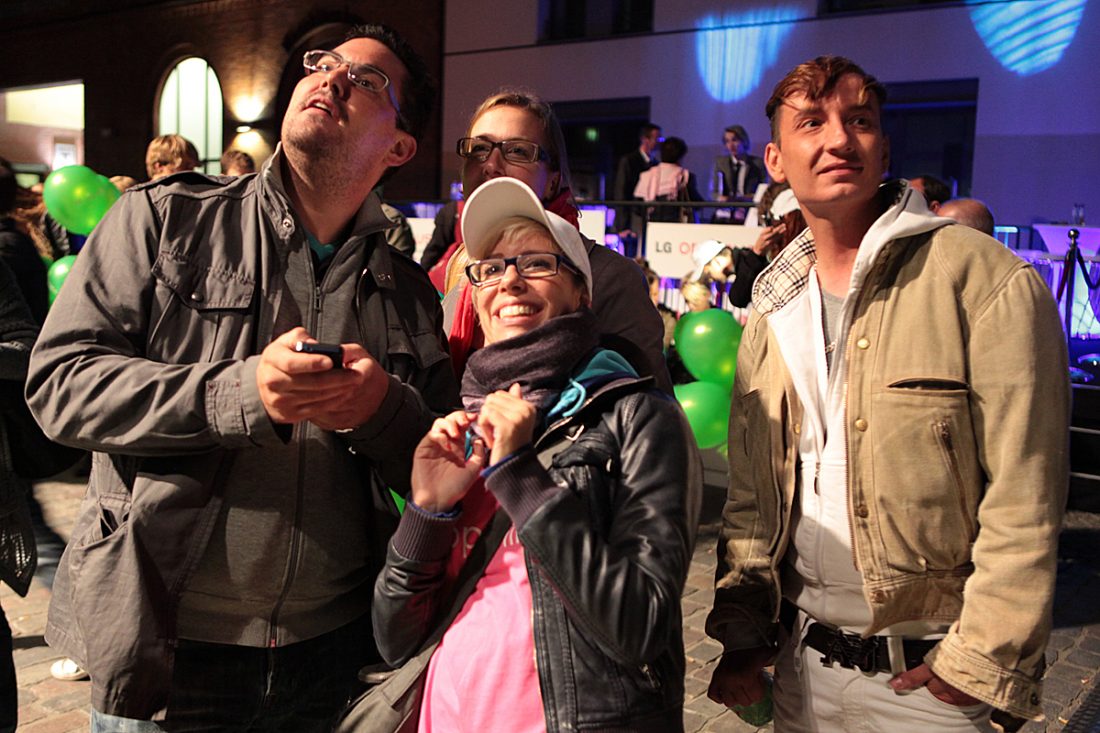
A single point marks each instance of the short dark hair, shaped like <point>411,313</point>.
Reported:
<point>934,189</point>
<point>418,89</point>
<point>673,149</point>
<point>816,79</point>
<point>741,134</point>
<point>647,128</point>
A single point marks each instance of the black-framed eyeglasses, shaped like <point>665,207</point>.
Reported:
<point>364,76</point>
<point>516,151</point>
<point>530,266</point>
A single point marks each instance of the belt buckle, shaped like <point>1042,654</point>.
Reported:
<point>852,652</point>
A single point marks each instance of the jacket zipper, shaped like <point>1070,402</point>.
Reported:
<point>942,432</point>
<point>296,527</point>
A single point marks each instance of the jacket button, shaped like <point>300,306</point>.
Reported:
<point>878,597</point>
<point>861,424</point>
<point>797,429</point>
<point>863,343</point>
<point>197,297</point>
<point>862,512</point>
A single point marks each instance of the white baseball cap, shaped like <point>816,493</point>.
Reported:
<point>784,203</point>
<point>504,198</point>
<point>703,253</point>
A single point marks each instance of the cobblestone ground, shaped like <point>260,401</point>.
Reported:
<point>1071,698</point>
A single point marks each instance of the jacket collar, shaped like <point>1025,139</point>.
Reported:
<point>370,219</point>
<point>906,214</point>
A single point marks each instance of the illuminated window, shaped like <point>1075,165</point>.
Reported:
<point>563,20</point>
<point>191,105</point>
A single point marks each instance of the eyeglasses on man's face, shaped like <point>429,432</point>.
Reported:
<point>515,151</point>
<point>364,76</point>
<point>530,266</point>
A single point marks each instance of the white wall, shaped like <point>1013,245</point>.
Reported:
<point>1037,147</point>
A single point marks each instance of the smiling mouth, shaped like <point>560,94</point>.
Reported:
<point>517,311</point>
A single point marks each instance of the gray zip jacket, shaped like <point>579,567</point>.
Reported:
<point>149,359</point>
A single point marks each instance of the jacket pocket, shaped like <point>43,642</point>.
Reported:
<point>942,431</point>
<point>925,479</point>
<point>200,312</point>
<point>112,513</point>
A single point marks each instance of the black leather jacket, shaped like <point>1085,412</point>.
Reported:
<point>608,529</point>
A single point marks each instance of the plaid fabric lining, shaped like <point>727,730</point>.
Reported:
<point>786,276</point>
<point>789,273</point>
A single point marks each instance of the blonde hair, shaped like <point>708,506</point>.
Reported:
<point>169,154</point>
<point>697,295</point>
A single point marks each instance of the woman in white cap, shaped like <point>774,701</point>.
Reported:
<point>534,581</point>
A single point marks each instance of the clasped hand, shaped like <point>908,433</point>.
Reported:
<point>442,473</point>
<point>296,387</point>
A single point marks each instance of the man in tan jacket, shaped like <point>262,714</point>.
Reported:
<point>898,449</point>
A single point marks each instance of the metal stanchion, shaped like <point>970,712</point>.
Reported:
<point>1069,278</point>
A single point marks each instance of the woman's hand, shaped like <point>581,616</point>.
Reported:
<point>770,238</point>
<point>441,473</point>
<point>507,422</point>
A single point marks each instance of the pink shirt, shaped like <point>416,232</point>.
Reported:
<point>482,676</point>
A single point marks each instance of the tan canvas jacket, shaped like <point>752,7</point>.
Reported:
<point>957,433</point>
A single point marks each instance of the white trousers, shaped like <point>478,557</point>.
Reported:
<point>810,697</point>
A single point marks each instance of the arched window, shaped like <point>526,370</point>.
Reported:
<point>191,105</point>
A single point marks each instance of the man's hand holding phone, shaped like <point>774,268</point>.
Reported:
<point>333,386</point>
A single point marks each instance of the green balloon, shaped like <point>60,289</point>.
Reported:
<point>77,197</point>
<point>707,407</point>
<point>57,273</point>
<point>707,342</point>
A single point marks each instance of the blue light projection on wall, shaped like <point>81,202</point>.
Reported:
<point>735,50</point>
<point>1027,36</point>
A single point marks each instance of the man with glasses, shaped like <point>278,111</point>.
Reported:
<point>220,571</point>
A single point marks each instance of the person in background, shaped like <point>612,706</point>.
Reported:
<point>898,449</point>
<point>168,154</point>
<point>668,316</point>
<point>669,181</point>
<point>736,175</point>
<point>697,295</point>
<point>783,221</point>
<point>630,220</point>
<point>18,249</point>
<point>239,502</point>
<point>438,251</point>
<point>515,133</point>
<point>968,212</point>
<point>934,190</point>
<point>50,238</point>
<point>123,183</point>
<point>237,163</point>
<point>574,621</point>
<point>17,545</point>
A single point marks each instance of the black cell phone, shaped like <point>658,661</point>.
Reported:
<point>332,351</point>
